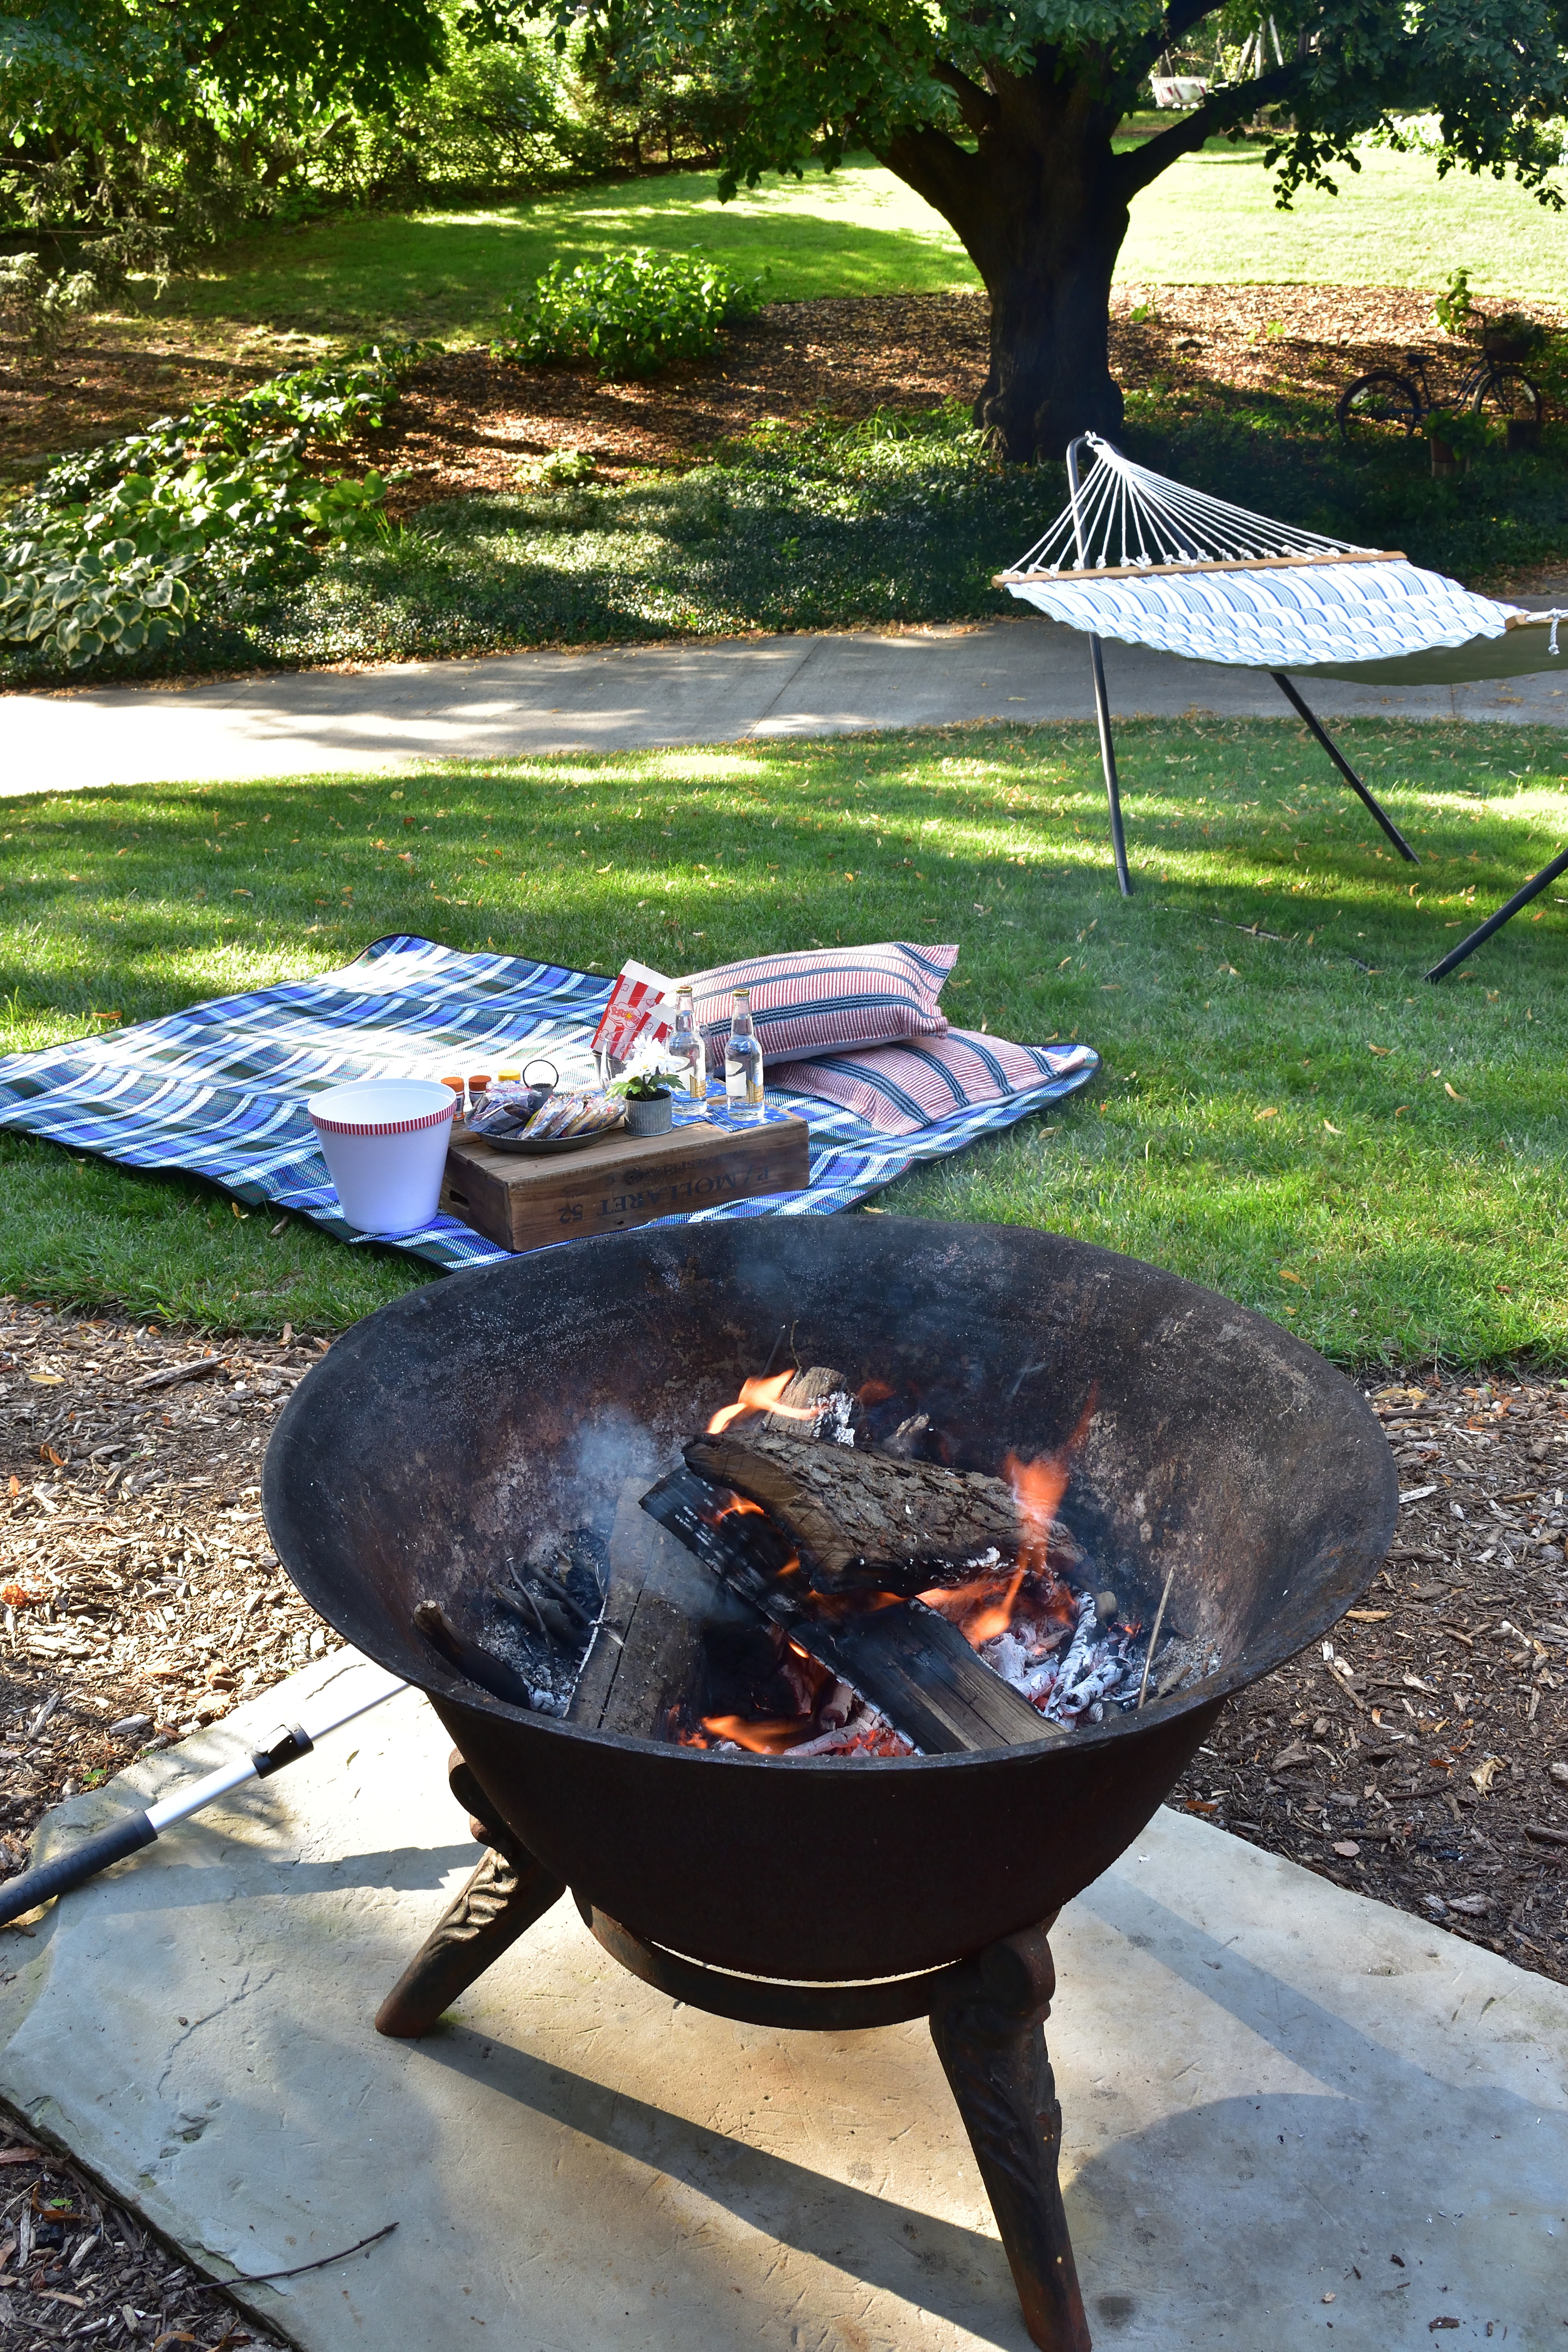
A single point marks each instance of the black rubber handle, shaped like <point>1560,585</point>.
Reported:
<point>75,1868</point>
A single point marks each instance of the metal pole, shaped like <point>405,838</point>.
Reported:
<point>1101,699</point>
<point>1532,889</point>
<point>1343,765</point>
<point>130,1834</point>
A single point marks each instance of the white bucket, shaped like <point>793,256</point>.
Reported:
<point>384,1141</point>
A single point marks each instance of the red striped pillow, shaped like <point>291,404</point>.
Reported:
<point>825,998</point>
<point>899,1089</point>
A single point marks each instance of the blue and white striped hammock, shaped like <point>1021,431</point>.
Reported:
<point>1141,558</point>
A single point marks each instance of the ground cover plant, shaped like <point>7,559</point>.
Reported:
<point>100,563</point>
<point>898,517</point>
<point>1287,1111</point>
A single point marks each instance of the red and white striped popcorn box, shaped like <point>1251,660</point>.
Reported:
<point>640,1010</point>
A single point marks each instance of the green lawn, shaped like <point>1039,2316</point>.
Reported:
<point>1287,1111</point>
<point>1211,219</point>
<point>445,273</point>
<point>860,231</point>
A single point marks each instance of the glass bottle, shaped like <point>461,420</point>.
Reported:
<point>687,1050</point>
<point>744,1064</point>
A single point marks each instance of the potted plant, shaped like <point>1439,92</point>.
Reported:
<point>1457,436</point>
<point>1509,336</point>
<point>650,1108</point>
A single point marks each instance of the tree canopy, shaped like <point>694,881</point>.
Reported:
<point>1004,117</point>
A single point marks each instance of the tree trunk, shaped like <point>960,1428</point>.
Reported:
<point>1039,205</point>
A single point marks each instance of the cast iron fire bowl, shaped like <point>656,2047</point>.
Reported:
<point>444,1431</point>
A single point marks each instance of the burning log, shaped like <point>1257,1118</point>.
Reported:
<point>910,1663</point>
<point>648,1651</point>
<point>858,1517</point>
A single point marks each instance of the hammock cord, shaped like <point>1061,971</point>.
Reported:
<point>1126,517</point>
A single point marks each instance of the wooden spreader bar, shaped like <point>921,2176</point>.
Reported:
<point>1071,576</point>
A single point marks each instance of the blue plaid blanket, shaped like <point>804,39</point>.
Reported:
<point>220,1090</point>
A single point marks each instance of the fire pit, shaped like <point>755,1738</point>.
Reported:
<point>479,1424</point>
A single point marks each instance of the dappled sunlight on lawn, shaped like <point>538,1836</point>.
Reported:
<point>1287,1110</point>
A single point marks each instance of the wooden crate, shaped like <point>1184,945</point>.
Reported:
<point>626,1179</point>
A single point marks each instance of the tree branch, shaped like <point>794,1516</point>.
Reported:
<point>978,108</point>
<point>946,175</point>
<point>1136,170</point>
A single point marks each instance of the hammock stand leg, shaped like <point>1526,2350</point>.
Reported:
<point>1107,761</point>
<point>1483,932</point>
<point>1343,765</point>
<point>1101,699</point>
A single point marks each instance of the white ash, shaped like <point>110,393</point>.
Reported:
<point>1099,1668</point>
<point>835,1418</point>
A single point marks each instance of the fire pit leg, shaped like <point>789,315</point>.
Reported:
<point>509,1891</point>
<point>990,2041</point>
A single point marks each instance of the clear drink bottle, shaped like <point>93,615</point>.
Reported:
<point>744,1064</point>
<point>687,1050</point>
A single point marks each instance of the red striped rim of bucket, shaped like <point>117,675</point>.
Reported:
<point>382,1126</point>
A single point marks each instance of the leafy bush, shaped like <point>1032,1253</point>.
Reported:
<point>48,309</point>
<point>110,554</point>
<point>1455,307</point>
<point>630,314</point>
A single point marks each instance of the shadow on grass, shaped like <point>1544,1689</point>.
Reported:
<point>1287,1110</point>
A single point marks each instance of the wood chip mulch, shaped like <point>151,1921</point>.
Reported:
<point>1419,1757</point>
<point>1421,1754</point>
<point>469,423</point>
<point>76,2268</point>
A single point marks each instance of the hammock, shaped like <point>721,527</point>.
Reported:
<point>1136,556</point>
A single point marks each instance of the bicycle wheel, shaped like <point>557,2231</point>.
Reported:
<point>1508,394</point>
<point>1375,406</point>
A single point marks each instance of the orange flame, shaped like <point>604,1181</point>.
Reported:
<point>737,1507</point>
<point>761,1396</point>
<point>771,1737</point>
<point>981,1609</point>
<point>1037,1490</point>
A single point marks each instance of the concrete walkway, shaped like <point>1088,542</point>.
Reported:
<point>514,705</point>
<point>1288,2109</point>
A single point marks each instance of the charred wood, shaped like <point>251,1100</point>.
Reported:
<point>468,1658</point>
<point>910,1663</point>
<point>648,1653</point>
<point>858,1517</point>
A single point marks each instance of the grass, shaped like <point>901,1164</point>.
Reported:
<point>1211,219</point>
<point>1287,1111</point>
<point>452,272</point>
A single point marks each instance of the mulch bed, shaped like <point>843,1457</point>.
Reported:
<point>1423,1759</point>
<point>470,424</point>
<point>80,2268</point>
<point>1421,1755</point>
<point>467,422</point>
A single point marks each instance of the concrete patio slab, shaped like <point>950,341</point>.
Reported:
<point>1289,2111</point>
<point>637,698</point>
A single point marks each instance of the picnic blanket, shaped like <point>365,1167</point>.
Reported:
<point>219,1090</point>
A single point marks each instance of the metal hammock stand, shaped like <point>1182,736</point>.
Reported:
<point>1130,524</point>
<point>1164,565</point>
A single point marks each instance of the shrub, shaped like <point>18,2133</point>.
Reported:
<point>630,314</point>
<point>48,310</point>
<point>109,554</point>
